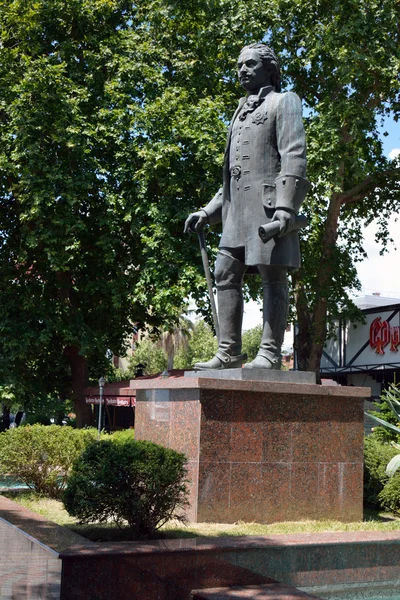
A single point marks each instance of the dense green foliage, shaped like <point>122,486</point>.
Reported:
<point>381,460</point>
<point>377,454</point>
<point>108,136</point>
<point>380,489</point>
<point>123,435</point>
<point>150,354</point>
<point>251,341</point>
<point>197,344</point>
<point>113,118</point>
<point>389,497</point>
<point>343,59</point>
<point>388,415</point>
<point>201,345</point>
<point>134,482</point>
<point>42,456</point>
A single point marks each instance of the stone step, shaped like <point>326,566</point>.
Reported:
<point>269,591</point>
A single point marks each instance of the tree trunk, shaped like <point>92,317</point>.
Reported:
<point>79,381</point>
<point>312,326</point>
<point>18,417</point>
<point>170,359</point>
<point>5,419</point>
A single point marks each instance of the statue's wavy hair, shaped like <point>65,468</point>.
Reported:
<point>270,62</point>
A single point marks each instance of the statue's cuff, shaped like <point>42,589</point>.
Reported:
<point>290,192</point>
<point>206,214</point>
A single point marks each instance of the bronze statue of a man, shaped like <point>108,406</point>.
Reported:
<point>263,180</point>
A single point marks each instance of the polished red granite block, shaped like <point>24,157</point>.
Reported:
<point>246,442</point>
<point>165,576</point>
<point>271,591</point>
<point>212,451</point>
<point>193,479</point>
<point>246,494</point>
<point>276,481</point>
<point>264,451</point>
<point>170,569</point>
<point>276,439</point>
<point>304,492</point>
<point>214,483</point>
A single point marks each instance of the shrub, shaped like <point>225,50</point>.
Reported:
<point>376,457</point>
<point>389,497</point>
<point>124,435</point>
<point>388,416</point>
<point>137,482</point>
<point>42,456</point>
<point>384,487</point>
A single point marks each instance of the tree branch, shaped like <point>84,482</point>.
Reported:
<point>360,191</point>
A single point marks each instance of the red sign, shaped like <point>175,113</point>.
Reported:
<point>381,333</point>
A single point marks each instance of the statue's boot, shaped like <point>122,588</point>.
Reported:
<point>230,316</point>
<point>275,309</point>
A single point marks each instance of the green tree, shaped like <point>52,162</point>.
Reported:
<point>149,353</point>
<point>107,133</point>
<point>201,346</point>
<point>113,120</point>
<point>343,59</point>
<point>252,341</point>
<point>192,344</point>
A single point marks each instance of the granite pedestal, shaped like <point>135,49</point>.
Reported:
<point>263,451</point>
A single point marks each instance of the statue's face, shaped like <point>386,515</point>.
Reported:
<point>251,72</point>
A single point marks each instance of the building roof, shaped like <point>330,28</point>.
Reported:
<point>374,301</point>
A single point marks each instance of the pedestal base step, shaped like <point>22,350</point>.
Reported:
<point>269,591</point>
<point>256,375</point>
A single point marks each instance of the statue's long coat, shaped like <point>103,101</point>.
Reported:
<point>271,144</point>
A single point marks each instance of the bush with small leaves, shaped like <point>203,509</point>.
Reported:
<point>127,481</point>
<point>42,456</point>
<point>389,497</point>
<point>377,454</point>
<point>385,485</point>
<point>123,435</point>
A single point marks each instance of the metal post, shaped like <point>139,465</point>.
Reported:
<point>101,390</point>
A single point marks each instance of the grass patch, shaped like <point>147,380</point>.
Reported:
<point>50,509</point>
<point>380,523</point>
<point>107,532</point>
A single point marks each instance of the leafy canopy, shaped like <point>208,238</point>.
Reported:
<point>113,118</point>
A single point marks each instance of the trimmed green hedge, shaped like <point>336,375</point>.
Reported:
<point>41,456</point>
<point>127,481</point>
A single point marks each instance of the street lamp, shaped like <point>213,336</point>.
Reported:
<point>101,390</point>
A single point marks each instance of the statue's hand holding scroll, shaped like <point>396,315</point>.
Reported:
<point>286,220</point>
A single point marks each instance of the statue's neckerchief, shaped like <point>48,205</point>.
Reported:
<point>253,101</point>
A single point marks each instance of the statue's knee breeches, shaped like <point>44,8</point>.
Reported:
<point>228,271</point>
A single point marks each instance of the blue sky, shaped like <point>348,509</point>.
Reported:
<point>393,139</point>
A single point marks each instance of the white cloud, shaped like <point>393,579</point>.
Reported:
<point>379,273</point>
<point>393,153</point>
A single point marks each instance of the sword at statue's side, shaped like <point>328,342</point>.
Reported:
<point>206,267</point>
